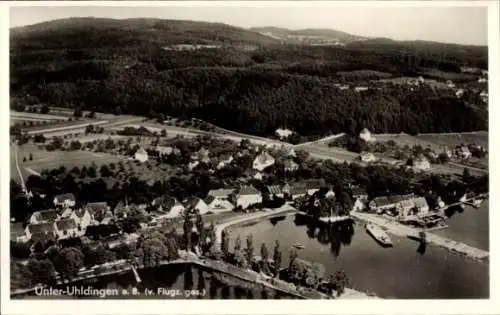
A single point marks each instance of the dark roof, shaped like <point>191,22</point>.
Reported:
<point>389,200</point>
<point>315,183</point>
<point>94,207</point>
<point>358,191</point>
<point>209,199</point>
<point>66,224</point>
<point>248,190</point>
<point>63,197</point>
<point>43,237</point>
<point>41,228</point>
<point>46,215</point>
<point>298,189</point>
<point>274,189</point>
<point>191,202</point>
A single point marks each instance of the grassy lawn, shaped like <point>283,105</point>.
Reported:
<point>452,140</point>
<point>43,159</point>
<point>403,139</point>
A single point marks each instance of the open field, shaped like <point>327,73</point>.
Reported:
<point>453,139</point>
<point>403,139</point>
<point>43,159</point>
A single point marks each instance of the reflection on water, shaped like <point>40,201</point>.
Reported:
<point>421,248</point>
<point>336,234</point>
<point>450,212</point>
<point>276,220</point>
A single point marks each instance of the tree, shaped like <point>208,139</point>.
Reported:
<point>24,159</point>
<point>42,271</point>
<point>277,259</point>
<point>105,172</point>
<point>264,255</point>
<point>77,112</point>
<point>44,109</point>
<point>466,176</point>
<point>225,243</point>
<point>249,248</point>
<point>188,225</point>
<point>237,243</point>
<point>31,156</point>
<point>68,261</point>
<point>163,132</point>
<point>338,282</point>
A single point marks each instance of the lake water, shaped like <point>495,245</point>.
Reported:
<point>405,271</point>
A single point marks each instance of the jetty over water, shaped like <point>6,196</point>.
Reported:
<point>405,231</point>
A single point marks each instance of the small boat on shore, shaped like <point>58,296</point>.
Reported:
<point>298,246</point>
<point>379,234</point>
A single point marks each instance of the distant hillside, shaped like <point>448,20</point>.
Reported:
<point>308,36</point>
<point>100,32</point>
<point>240,79</point>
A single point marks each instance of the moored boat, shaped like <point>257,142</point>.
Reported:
<point>379,234</point>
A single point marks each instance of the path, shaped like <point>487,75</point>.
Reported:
<point>405,231</point>
<point>16,149</point>
<point>259,215</point>
<point>329,138</point>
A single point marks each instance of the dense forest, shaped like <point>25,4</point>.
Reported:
<point>249,83</point>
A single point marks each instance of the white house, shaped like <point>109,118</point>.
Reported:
<point>421,163</point>
<point>43,217</point>
<point>366,135</point>
<point>66,228</point>
<point>246,197</point>
<point>220,199</point>
<point>463,152</point>
<point>366,157</point>
<point>412,206</point>
<point>290,165</point>
<point>224,161</point>
<point>196,203</point>
<point>358,205</point>
<point>141,155</point>
<point>173,207</point>
<point>283,133</point>
<point>263,161</point>
<point>65,200</point>
<point>82,218</point>
<point>387,202</point>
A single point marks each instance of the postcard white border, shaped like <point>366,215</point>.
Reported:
<point>247,306</point>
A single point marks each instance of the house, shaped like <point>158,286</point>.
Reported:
<point>313,185</point>
<point>17,233</point>
<point>141,155</point>
<point>97,210</point>
<point>412,206</point>
<point>359,193</point>
<point>246,197</point>
<point>192,165</point>
<point>447,152</point>
<point>463,152</point>
<point>221,194</point>
<point>459,93</point>
<point>366,135</point>
<point>65,200</point>
<point>224,161</point>
<point>82,218</point>
<point>197,204</point>
<point>219,203</point>
<point>43,216</point>
<point>168,205</point>
<point>203,155</point>
<point>358,205</point>
<point>283,133</point>
<point>263,161</point>
<point>275,190</point>
<point>367,157</point>
<point>66,228</point>
<point>43,237</point>
<point>420,163</point>
<point>388,202</point>
<point>290,165</point>
<point>40,228</point>
<point>295,191</point>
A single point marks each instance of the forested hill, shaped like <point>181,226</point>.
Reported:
<point>240,79</point>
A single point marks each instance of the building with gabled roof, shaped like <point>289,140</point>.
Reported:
<point>246,196</point>
<point>40,228</point>
<point>388,202</point>
<point>195,203</point>
<point>141,155</point>
<point>66,228</point>
<point>43,216</point>
<point>275,190</point>
<point>65,200</point>
<point>263,161</point>
<point>217,204</point>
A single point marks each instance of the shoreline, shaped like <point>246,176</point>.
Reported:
<point>406,231</point>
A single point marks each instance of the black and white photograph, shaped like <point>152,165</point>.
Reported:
<point>248,151</point>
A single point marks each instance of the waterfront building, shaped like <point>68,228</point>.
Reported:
<point>383,203</point>
<point>246,197</point>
